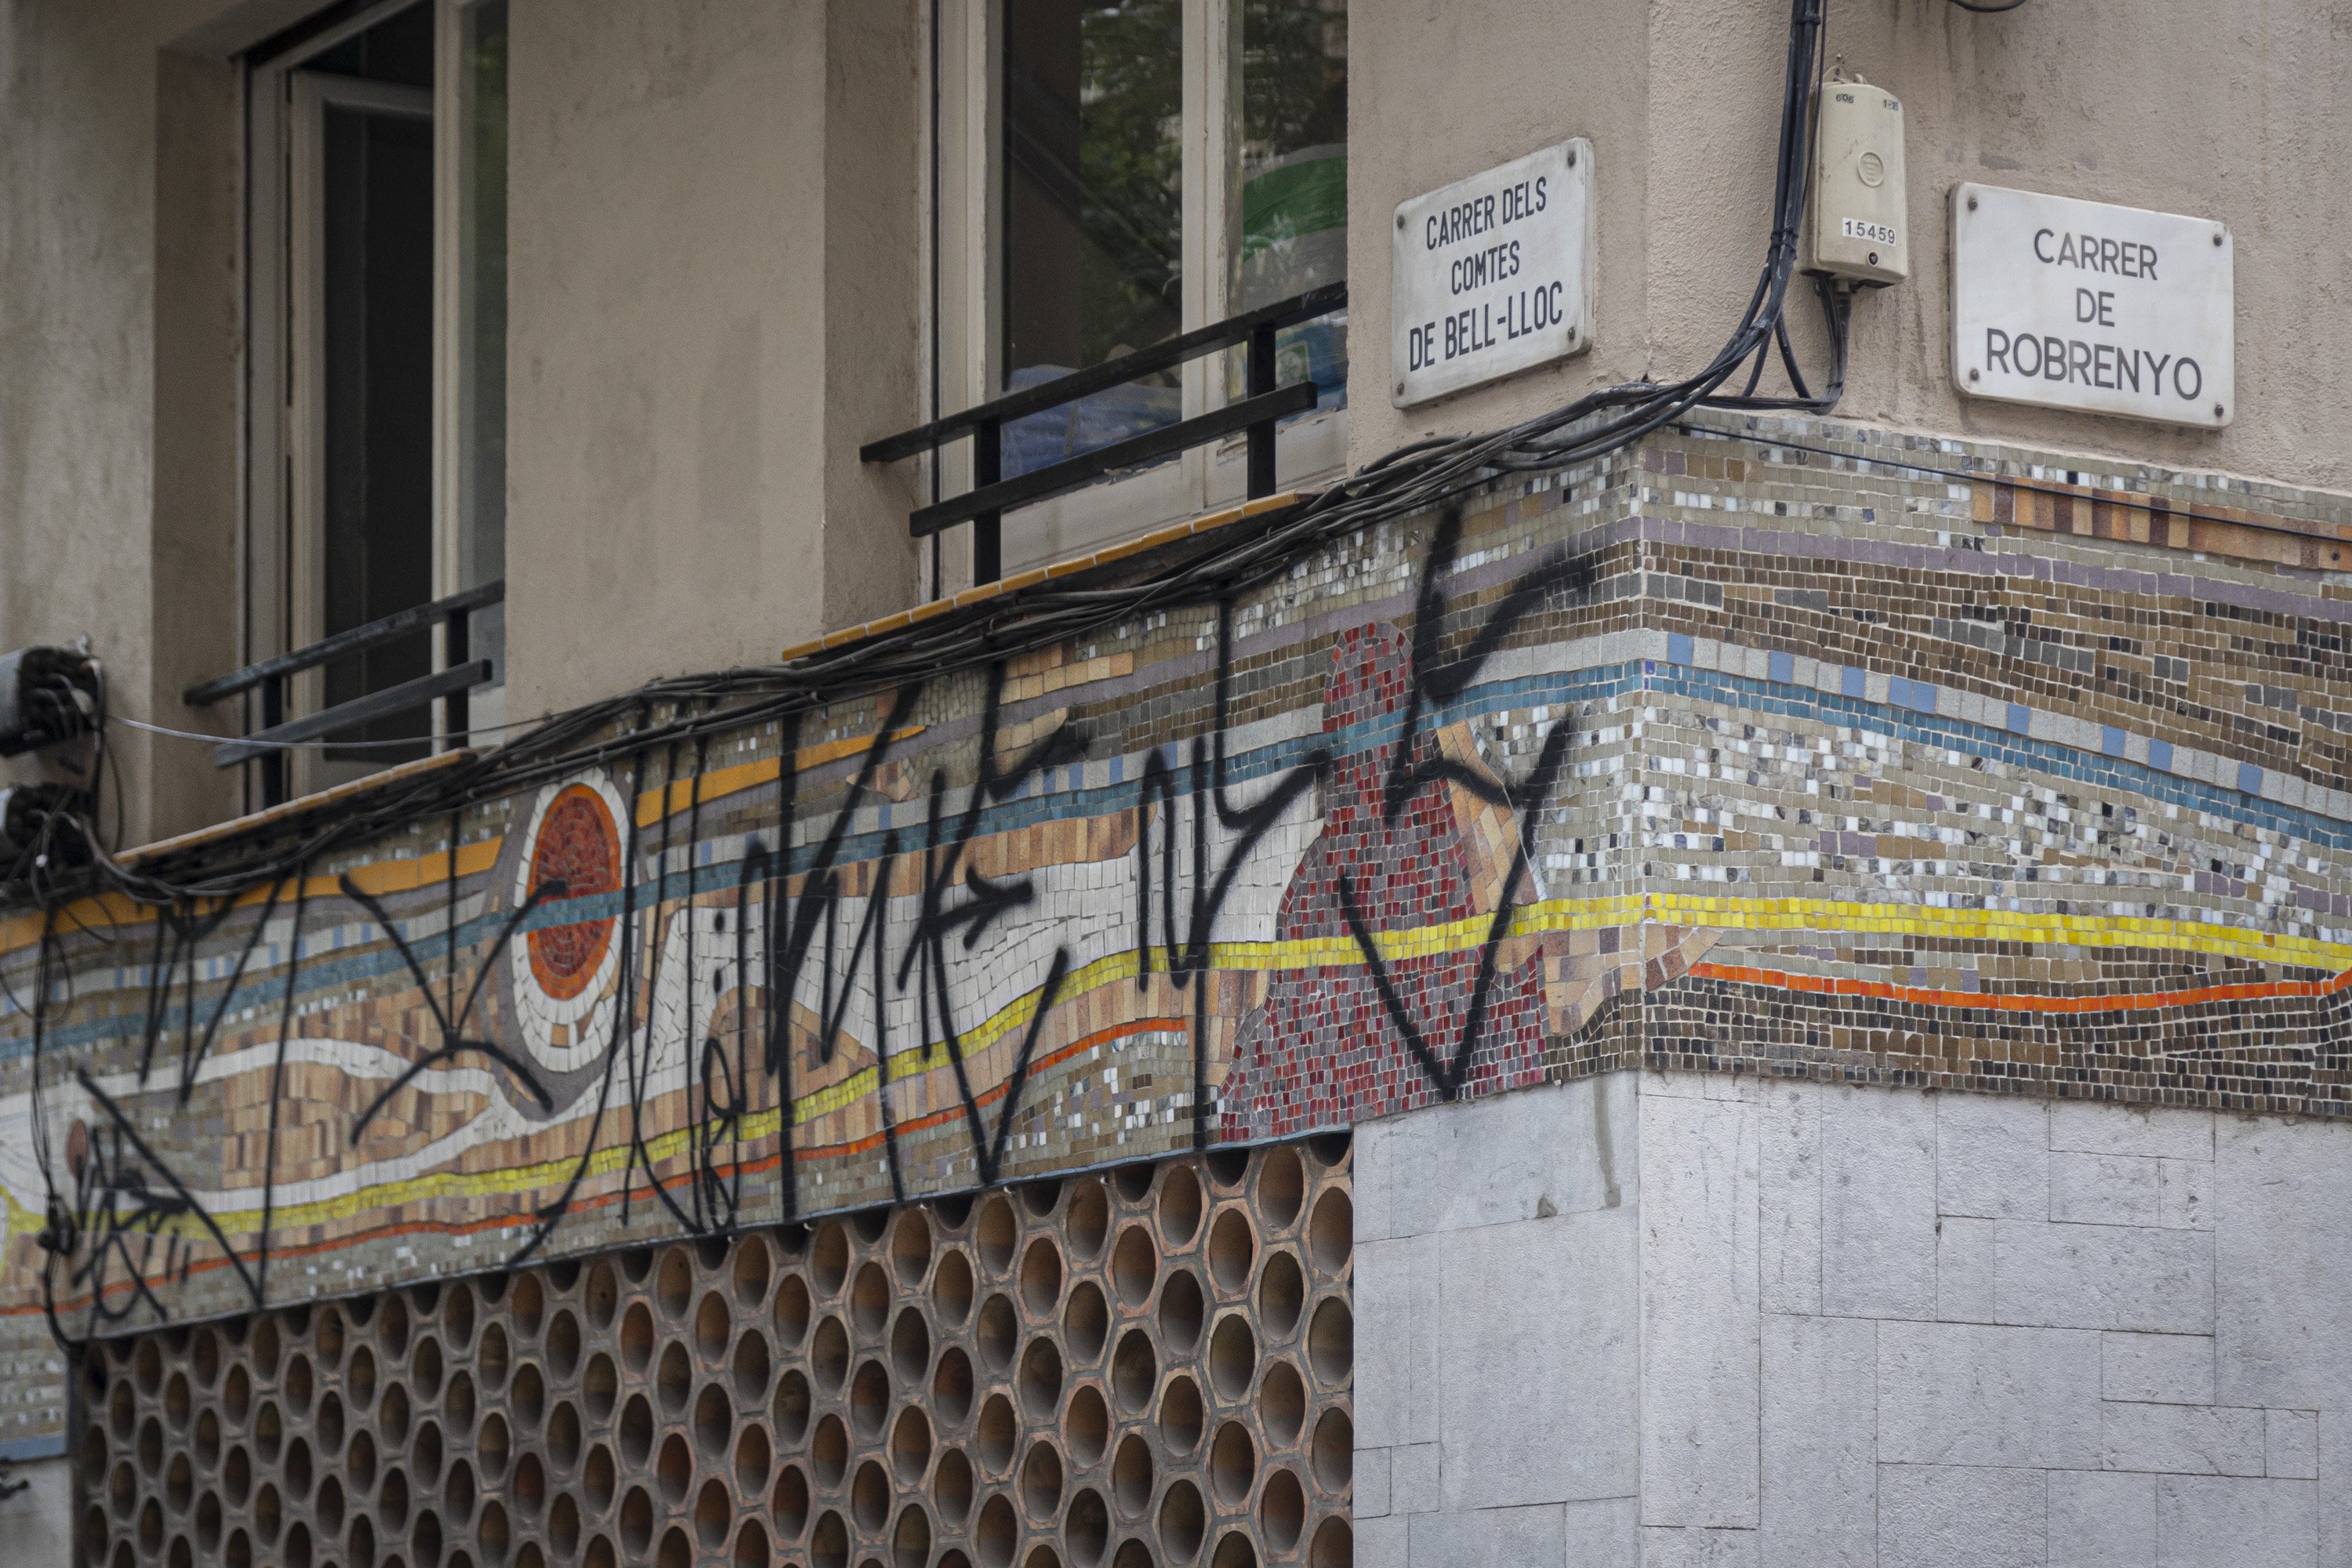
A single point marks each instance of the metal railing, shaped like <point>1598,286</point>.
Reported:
<point>266,745</point>
<point>1262,407</point>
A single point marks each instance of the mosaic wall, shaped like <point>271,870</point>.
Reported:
<point>1776,747</point>
<point>1149,1367</point>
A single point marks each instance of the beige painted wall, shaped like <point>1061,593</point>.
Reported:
<point>2239,111</point>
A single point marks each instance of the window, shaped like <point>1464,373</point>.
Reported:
<point>377,350</point>
<point>1110,173</point>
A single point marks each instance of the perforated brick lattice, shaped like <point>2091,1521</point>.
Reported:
<point>1152,1365</point>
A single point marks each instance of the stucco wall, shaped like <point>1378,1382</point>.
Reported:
<point>2235,113</point>
<point>1873,1327</point>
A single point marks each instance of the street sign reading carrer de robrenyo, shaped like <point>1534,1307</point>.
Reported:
<point>2081,305</point>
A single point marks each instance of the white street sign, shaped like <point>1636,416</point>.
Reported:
<point>2082,305</point>
<point>1491,275</point>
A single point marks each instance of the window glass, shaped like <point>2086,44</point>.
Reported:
<point>1291,226</point>
<point>1093,216</point>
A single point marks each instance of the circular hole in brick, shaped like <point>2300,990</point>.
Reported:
<point>491,1359</point>
<point>870,1225</point>
<point>1041,1277</point>
<point>638,1264</point>
<point>951,1386</point>
<point>1232,1249</point>
<point>327,1332</point>
<point>674,1282</point>
<point>1086,1223</point>
<point>204,1355</point>
<point>599,1387</point>
<point>710,1251</point>
<point>1042,1555</point>
<point>713,1323</point>
<point>359,1459</point>
<point>636,1523</point>
<point>673,1467</point>
<point>425,1369</point>
<point>714,1420</point>
<point>911,1538</point>
<point>753,1458</point>
<point>1133,1182</point>
<point>869,1497</point>
<point>1182,1521</point>
<point>237,1396</point>
<point>752,1367</point>
<point>265,1344</point>
<point>1086,1425</point>
<point>829,1354</point>
<point>528,1490</point>
<point>674,1378</point>
<point>361,1541</point>
<point>1232,1465</point>
<point>527,1302</point>
<point>790,1408</point>
<point>952,1287</point>
<point>122,1409</point>
<point>122,1489</point>
<point>792,1310</point>
<point>911,1247</point>
<point>1040,1198</point>
<point>268,1429</point>
<point>457,1492</point>
<point>268,1513</point>
<point>1086,1322</point>
<point>1041,1482</point>
<point>427,1452</point>
<point>638,1336</point>
<point>1235,1550</point>
<point>1281,1295</point>
<point>869,1301</point>
<point>527,1398</point>
<point>829,1257</point>
<point>1331,1342</point>
<point>1134,1372</point>
<point>563,1344</point>
<point>299,1384</point>
<point>1282,1403</point>
<point>296,1552</point>
<point>751,1269</point>
<point>1227,1168</point>
<point>457,1404</point>
<point>391,1327</point>
<point>789,1504</point>
<point>1335,1545</point>
<point>424,1536</point>
<point>564,1435</point>
<point>296,1471</point>
<point>392,1413</point>
<point>391,1500</point>
<point>636,1431</point>
<point>676,1550</point>
<point>951,1486</point>
<point>1331,1231</point>
<point>1232,1356</point>
<point>493,1447</point>
<point>208,1523</point>
<point>1182,1309</point>
<point>1179,1204</point>
<point>458,1316</point>
<point>1131,1475</point>
<point>1281,1187</point>
<point>600,1555</point>
<point>995,1234</point>
<point>997,1332</point>
<point>714,1510</point>
<point>598,1478</point>
<point>208,1437</point>
<point>1134,1266</point>
<point>1180,1414</point>
<point>994,1437</point>
<point>751,1545</point>
<point>94,1537</point>
<point>829,1453</point>
<point>237,1553</point>
<point>1335,1451</point>
<point>1330,1149</point>
<point>1085,1528</point>
<point>602,1299</point>
<point>869,1399</point>
<point>1041,1378</point>
<point>910,1347</point>
<point>179,1482</point>
<point>997,1534</point>
<point>236,1475</point>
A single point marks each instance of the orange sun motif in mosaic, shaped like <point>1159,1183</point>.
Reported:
<point>578,845</point>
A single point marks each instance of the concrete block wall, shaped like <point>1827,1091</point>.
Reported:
<point>1852,1327</point>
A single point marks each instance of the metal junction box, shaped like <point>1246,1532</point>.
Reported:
<point>1855,225</point>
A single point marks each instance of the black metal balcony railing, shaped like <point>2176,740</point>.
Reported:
<point>1262,406</point>
<point>266,745</point>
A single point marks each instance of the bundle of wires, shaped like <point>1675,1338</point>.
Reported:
<point>1416,478</point>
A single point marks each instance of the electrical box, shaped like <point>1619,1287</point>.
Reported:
<point>1855,225</point>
